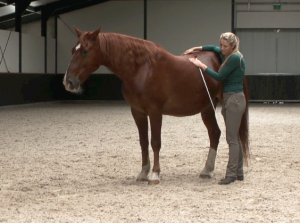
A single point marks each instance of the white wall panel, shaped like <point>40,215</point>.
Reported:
<point>12,51</point>
<point>126,17</point>
<point>259,50</point>
<point>34,28</point>
<point>32,54</point>
<point>176,25</point>
<point>32,49</point>
<point>260,14</point>
<point>51,55</point>
<point>179,25</point>
<point>268,19</point>
<point>270,50</point>
<point>288,51</point>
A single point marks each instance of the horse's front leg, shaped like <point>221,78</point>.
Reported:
<point>141,122</point>
<point>155,123</point>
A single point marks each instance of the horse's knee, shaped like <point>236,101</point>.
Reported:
<point>144,144</point>
<point>156,144</point>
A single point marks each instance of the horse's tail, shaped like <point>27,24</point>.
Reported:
<point>244,127</point>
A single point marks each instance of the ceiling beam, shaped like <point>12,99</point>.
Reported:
<point>54,7</point>
<point>28,18</point>
<point>76,5</point>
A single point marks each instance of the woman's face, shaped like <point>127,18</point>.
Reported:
<point>226,48</point>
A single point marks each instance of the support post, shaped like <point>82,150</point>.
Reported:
<point>46,14</point>
<point>145,19</point>
<point>233,16</point>
<point>21,6</point>
<point>56,35</point>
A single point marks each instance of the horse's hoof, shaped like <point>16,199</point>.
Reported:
<point>154,179</point>
<point>204,176</point>
<point>153,182</point>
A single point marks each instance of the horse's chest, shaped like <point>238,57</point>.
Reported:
<point>141,97</point>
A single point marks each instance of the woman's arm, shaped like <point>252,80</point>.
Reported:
<point>216,49</point>
<point>231,64</point>
<point>204,48</point>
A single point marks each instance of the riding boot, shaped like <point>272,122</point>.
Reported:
<point>233,161</point>
<point>240,178</point>
<point>227,180</point>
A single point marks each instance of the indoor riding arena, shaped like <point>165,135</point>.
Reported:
<point>69,157</point>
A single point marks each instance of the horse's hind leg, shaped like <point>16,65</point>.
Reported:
<point>209,119</point>
<point>141,122</point>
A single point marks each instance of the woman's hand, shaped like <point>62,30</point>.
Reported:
<point>189,51</point>
<point>193,50</point>
<point>198,63</point>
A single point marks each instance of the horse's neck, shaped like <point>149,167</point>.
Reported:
<point>116,56</point>
<point>122,58</point>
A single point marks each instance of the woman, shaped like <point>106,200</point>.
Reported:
<point>231,72</point>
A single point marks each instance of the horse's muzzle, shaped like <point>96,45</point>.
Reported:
<point>72,84</point>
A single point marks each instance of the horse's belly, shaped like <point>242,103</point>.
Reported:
<point>181,102</point>
<point>184,108</point>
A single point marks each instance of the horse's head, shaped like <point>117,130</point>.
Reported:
<point>85,60</point>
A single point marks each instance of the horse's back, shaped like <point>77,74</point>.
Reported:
<point>172,84</point>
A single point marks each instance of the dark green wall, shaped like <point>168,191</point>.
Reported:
<point>274,87</point>
<point>28,88</point>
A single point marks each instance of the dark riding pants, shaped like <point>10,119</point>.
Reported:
<point>233,108</point>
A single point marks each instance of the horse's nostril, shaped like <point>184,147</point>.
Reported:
<point>73,83</point>
<point>70,83</point>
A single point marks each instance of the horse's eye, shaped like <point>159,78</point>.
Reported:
<point>84,52</point>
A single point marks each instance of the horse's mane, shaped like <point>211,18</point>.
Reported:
<point>127,51</point>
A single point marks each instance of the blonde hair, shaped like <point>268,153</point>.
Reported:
<point>233,41</point>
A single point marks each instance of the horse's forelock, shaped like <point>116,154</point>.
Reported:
<point>84,37</point>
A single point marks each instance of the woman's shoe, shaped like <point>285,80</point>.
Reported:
<point>240,178</point>
<point>227,180</point>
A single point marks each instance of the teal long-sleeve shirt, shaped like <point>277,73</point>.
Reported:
<point>232,72</point>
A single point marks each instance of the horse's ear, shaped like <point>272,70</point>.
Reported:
<point>95,34</point>
<point>78,32</point>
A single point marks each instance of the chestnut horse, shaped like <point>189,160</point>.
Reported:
<point>155,83</point>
